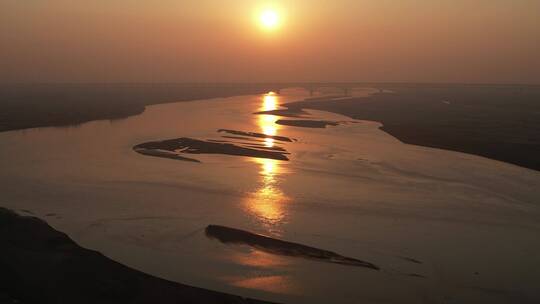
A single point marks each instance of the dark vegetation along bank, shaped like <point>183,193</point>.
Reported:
<point>497,122</point>
<point>25,106</point>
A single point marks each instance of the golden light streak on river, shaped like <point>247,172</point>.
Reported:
<point>268,202</point>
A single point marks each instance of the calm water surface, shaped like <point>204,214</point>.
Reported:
<point>473,223</point>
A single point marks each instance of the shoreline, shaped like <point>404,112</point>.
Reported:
<point>497,123</point>
<point>36,106</point>
<point>42,265</point>
<point>469,202</point>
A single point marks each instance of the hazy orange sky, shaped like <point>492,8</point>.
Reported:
<point>221,41</point>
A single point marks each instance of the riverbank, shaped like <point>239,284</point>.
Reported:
<point>43,105</point>
<point>497,122</point>
<point>42,265</point>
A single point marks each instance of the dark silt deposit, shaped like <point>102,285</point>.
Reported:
<point>164,154</point>
<point>42,265</point>
<point>255,135</point>
<point>228,235</point>
<point>173,147</point>
<point>307,123</point>
<point>289,112</point>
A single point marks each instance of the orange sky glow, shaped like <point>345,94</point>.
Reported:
<point>481,41</point>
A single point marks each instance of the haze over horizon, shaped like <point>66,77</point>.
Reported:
<point>269,151</point>
<point>459,41</point>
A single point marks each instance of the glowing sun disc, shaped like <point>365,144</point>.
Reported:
<point>269,19</point>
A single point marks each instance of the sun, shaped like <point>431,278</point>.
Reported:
<point>269,19</point>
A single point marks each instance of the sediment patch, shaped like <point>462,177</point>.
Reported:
<point>172,148</point>
<point>256,135</point>
<point>228,235</point>
<point>321,124</point>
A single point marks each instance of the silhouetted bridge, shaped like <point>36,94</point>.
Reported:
<point>312,87</point>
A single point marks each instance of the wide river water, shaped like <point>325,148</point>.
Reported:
<point>469,227</point>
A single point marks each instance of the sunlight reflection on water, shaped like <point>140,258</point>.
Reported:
<point>268,202</point>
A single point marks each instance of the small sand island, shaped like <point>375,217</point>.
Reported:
<point>321,124</point>
<point>228,235</point>
<point>171,148</point>
<point>176,148</point>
